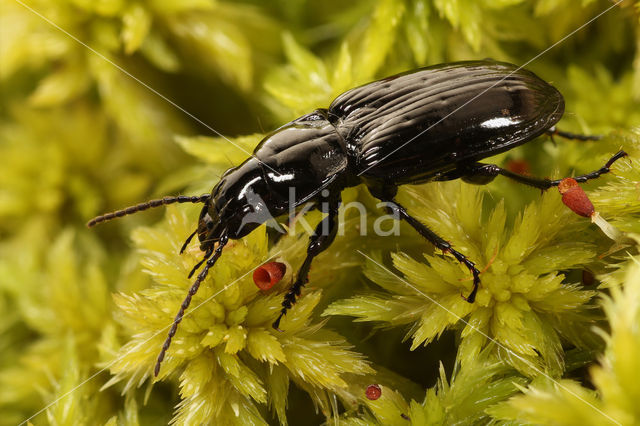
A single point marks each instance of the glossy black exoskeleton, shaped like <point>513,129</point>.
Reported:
<point>431,124</point>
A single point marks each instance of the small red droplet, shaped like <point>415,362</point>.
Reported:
<point>575,198</point>
<point>373,392</point>
<point>269,274</point>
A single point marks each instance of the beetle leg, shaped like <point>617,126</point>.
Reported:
<point>318,242</point>
<point>450,175</point>
<point>553,132</point>
<point>439,243</point>
<point>479,171</point>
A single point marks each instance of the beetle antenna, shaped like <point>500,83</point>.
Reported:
<point>147,205</point>
<point>187,300</point>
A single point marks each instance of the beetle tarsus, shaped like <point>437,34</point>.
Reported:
<point>276,323</point>
<point>476,284</point>
<point>472,268</point>
<point>318,242</point>
<point>596,173</point>
<point>484,171</point>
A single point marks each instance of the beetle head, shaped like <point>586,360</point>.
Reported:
<point>238,204</point>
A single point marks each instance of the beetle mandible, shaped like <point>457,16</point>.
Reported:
<point>430,124</point>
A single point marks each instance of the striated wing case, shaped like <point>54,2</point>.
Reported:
<point>411,127</point>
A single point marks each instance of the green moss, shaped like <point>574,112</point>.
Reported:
<point>84,313</point>
<point>615,399</point>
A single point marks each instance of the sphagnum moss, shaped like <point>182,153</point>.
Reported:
<point>523,304</point>
<point>57,170</point>
<point>228,357</point>
<point>614,400</point>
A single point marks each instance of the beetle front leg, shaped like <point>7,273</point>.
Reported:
<point>318,242</point>
<point>480,173</point>
<point>439,243</point>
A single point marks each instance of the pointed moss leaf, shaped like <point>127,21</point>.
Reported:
<point>214,336</point>
<point>138,112</point>
<point>523,238</point>
<point>493,236</point>
<point>478,322</point>
<point>223,43</point>
<point>263,310</point>
<point>471,346</point>
<point>369,308</point>
<point>170,7</point>
<point>186,346</point>
<point>195,376</point>
<point>321,363</point>
<point>379,38</point>
<point>306,63</point>
<point>61,86</point>
<point>468,209</point>
<point>242,377</point>
<point>157,51</point>
<point>528,342</point>
<point>301,85</point>
<point>429,279</point>
<point>389,408</point>
<point>558,257</point>
<point>342,72</point>
<point>68,406</point>
<point>417,28</point>
<point>218,402</point>
<point>382,277</point>
<point>218,150</point>
<point>277,383</point>
<point>264,346</point>
<point>438,316</point>
<point>568,297</point>
<point>236,338</point>
<point>130,416</point>
<point>615,377</point>
<point>562,403</point>
<point>450,10</point>
<point>463,399</point>
<point>237,316</point>
<point>593,85</point>
<point>304,308</point>
<point>136,23</point>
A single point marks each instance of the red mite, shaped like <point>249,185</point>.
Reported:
<point>575,198</point>
<point>373,392</point>
<point>269,274</point>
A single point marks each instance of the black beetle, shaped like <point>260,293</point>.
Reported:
<point>430,124</point>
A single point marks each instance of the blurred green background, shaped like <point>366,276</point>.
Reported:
<point>108,103</point>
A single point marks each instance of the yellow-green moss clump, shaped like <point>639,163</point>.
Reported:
<point>105,104</point>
